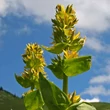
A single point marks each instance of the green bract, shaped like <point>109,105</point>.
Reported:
<point>81,106</point>
<point>70,67</point>
<point>33,100</point>
<point>57,48</point>
<point>66,44</point>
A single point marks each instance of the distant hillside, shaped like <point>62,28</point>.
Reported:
<point>101,106</point>
<point>9,101</point>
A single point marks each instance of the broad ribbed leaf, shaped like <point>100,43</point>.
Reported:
<point>75,66</point>
<point>56,49</point>
<point>23,81</point>
<point>81,106</point>
<point>47,93</point>
<point>53,97</point>
<point>33,100</point>
<point>85,106</point>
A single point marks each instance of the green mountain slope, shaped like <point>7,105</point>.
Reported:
<point>9,101</point>
<point>101,106</point>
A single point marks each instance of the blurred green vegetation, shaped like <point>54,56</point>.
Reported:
<point>9,101</point>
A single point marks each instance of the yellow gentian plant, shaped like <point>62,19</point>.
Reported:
<point>66,44</point>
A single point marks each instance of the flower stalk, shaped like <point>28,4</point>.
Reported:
<point>65,84</point>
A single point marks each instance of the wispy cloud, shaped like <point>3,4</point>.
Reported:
<point>97,83</point>
<point>24,30</point>
<point>100,79</point>
<point>93,14</point>
<point>96,91</point>
<point>107,67</point>
<point>96,44</point>
<point>89,13</point>
<point>3,27</point>
<point>91,100</point>
<point>103,78</point>
<point>3,30</point>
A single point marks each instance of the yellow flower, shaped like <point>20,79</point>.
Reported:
<point>70,54</point>
<point>74,98</point>
<point>34,55</point>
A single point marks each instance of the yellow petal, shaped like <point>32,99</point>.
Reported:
<point>76,98</point>
<point>76,36</point>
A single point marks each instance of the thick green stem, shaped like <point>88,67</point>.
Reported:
<point>65,83</point>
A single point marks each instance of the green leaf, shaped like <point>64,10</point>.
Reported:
<point>85,106</point>
<point>53,97</point>
<point>23,81</point>
<point>77,44</point>
<point>75,66</point>
<point>57,71</point>
<point>33,100</point>
<point>70,67</point>
<point>57,48</point>
<point>57,67</point>
<point>81,106</point>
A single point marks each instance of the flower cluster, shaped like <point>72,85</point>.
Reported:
<point>33,58</point>
<point>34,65</point>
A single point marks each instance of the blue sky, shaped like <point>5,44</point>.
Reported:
<point>27,21</point>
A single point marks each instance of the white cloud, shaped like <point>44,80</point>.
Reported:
<point>92,14</point>
<point>97,90</point>
<point>3,7</point>
<point>11,6</point>
<point>100,79</point>
<point>94,44</point>
<point>90,100</point>
<point>103,78</point>
<point>42,10</point>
